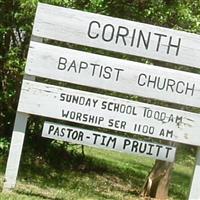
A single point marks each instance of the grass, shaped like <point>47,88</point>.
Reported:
<point>100,175</point>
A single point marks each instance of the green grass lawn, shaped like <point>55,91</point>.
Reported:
<point>100,175</point>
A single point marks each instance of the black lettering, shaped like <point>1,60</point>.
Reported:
<point>101,70</point>
<point>110,104</point>
<point>65,114</point>
<point>75,99</point>
<point>159,86</point>
<point>74,135</point>
<point>179,120</point>
<point>100,120</point>
<point>83,65</point>
<point>95,137</point>
<point>106,30</point>
<point>168,149</point>
<point>94,68</point>
<point>113,140</point>
<point>62,97</point>
<point>133,37</point>
<point>116,107</point>
<point>162,132</point>
<point>103,105</point>
<point>62,63</point>
<point>123,125</point>
<point>107,73</point>
<point>118,71</point>
<point>68,98</point>
<point>91,119</point>
<point>159,39</point>
<point>177,46</point>
<point>169,133</point>
<point>127,142</point>
<point>145,129</point>
<point>122,35</point>
<point>171,118</point>
<point>85,117</point>
<point>95,102</point>
<point>158,150</point>
<point>156,115</point>
<point>178,90</point>
<point>69,132</point>
<point>151,130</point>
<point>150,149</point>
<point>90,29</point>
<point>190,89</point>
<point>62,132</point>
<point>139,79</point>
<point>170,83</point>
<point>103,141</point>
<point>135,146</point>
<point>80,137</point>
<point>146,43</point>
<point>152,81</point>
<point>51,128</point>
<point>82,100</point>
<point>56,131</point>
<point>162,116</point>
<point>72,65</point>
<point>122,108</point>
<point>143,147</point>
<point>78,116</point>
<point>110,122</point>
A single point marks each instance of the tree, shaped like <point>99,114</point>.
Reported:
<point>15,29</point>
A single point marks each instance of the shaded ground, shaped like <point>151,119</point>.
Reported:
<point>99,175</point>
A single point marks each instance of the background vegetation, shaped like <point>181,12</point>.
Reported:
<point>15,30</point>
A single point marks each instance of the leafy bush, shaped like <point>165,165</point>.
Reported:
<point>4,146</point>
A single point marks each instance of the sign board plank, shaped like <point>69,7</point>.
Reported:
<point>118,35</point>
<point>109,112</point>
<point>113,74</point>
<point>107,141</point>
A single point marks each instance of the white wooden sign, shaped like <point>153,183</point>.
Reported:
<point>109,112</point>
<point>113,74</point>
<point>115,34</point>
<point>93,30</point>
<point>108,141</point>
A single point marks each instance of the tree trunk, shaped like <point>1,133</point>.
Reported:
<point>157,183</point>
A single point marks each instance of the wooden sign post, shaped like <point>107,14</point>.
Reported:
<point>97,71</point>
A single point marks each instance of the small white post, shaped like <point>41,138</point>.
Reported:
<point>15,151</point>
<point>195,186</point>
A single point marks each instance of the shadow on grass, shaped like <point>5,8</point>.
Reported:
<point>73,172</point>
<point>37,195</point>
<point>86,165</point>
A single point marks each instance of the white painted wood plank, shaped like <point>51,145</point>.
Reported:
<point>113,74</point>
<point>109,112</point>
<point>107,141</point>
<point>194,189</point>
<point>116,34</point>
<point>15,151</point>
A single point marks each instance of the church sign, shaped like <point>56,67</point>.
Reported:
<point>61,65</point>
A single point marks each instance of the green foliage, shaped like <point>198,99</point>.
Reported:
<point>16,24</point>
<point>4,145</point>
